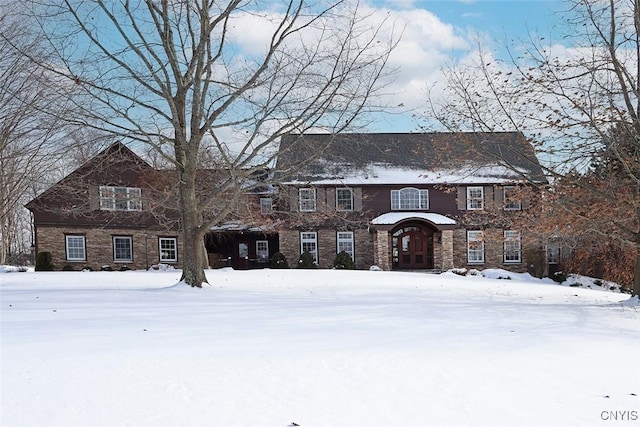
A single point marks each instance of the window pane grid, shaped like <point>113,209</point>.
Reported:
<point>345,243</point>
<point>120,198</point>
<point>262,250</point>
<point>512,199</point>
<point>344,199</point>
<point>475,198</point>
<point>307,199</point>
<point>512,246</point>
<point>168,249</point>
<point>409,199</point>
<point>309,243</point>
<point>122,249</point>
<point>475,247</point>
<point>75,248</point>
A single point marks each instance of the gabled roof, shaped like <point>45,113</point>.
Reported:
<point>100,164</point>
<point>403,158</point>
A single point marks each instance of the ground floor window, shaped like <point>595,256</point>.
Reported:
<point>512,247</point>
<point>122,248</point>
<point>168,249</point>
<point>309,242</point>
<point>475,247</point>
<point>75,248</point>
<point>345,243</point>
<point>262,250</point>
<point>553,253</point>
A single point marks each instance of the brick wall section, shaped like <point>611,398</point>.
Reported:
<point>290,246</point>
<point>99,247</point>
<point>364,248</point>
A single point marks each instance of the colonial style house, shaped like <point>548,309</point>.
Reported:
<point>398,201</point>
<point>408,201</point>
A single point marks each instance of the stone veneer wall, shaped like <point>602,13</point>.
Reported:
<point>99,247</point>
<point>493,251</point>
<point>327,247</point>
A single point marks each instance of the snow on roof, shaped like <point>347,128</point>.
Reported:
<point>391,218</point>
<point>380,173</point>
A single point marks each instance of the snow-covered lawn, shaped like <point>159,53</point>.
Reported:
<point>315,348</point>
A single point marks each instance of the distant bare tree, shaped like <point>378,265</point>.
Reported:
<point>569,100</point>
<point>171,74</point>
<point>31,137</point>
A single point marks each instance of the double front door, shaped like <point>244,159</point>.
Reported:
<point>415,250</point>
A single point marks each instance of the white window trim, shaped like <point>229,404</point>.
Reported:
<point>258,251</point>
<point>113,239</point>
<point>509,237</point>
<point>312,192</point>
<point>175,250</point>
<point>308,237</point>
<point>506,201</point>
<point>266,205</point>
<point>108,199</point>
<point>351,199</point>
<point>470,199</point>
<point>471,237</point>
<point>346,236</point>
<point>397,197</point>
<point>84,247</point>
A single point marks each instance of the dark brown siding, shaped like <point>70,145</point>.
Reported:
<point>377,199</point>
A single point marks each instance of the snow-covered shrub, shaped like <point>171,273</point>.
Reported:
<point>162,267</point>
<point>459,271</point>
<point>279,261</point>
<point>375,268</point>
<point>43,261</point>
<point>559,277</point>
<point>306,261</point>
<point>343,261</point>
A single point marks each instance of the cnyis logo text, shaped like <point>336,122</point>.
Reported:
<point>620,415</point>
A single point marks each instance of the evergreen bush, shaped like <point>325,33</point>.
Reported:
<point>43,261</point>
<point>343,261</point>
<point>306,261</point>
<point>279,261</point>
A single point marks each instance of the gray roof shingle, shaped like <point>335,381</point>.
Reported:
<point>318,157</point>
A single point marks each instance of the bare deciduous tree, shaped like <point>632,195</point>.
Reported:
<point>568,100</point>
<point>175,75</point>
<point>31,136</point>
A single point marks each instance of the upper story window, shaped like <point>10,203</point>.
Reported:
<point>120,198</point>
<point>409,199</point>
<point>307,197</point>
<point>475,198</point>
<point>344,199</point>
<point>512,198</point>
<point>266,205</point>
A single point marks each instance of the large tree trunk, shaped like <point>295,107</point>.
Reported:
<point>636,273</point>
<point>193,257</point>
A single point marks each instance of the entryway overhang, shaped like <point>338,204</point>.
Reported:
<point>389,220</point>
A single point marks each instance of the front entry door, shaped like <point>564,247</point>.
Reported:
<point>415,250</point>
<point>243,255</point>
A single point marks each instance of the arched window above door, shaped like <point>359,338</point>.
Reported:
<point>409,198</point>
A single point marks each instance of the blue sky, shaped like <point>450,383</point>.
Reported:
<point>498,18</point>
<point>437,32</point>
